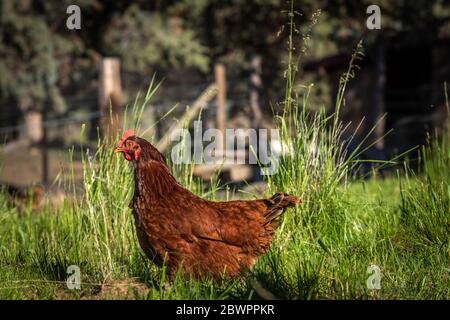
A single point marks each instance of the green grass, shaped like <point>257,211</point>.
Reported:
<point>36,250</point>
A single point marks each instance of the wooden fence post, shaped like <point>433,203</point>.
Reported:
<point>44,150</point>
<point>221,83</point>
<point>256,85</point>
<point>110,96</point>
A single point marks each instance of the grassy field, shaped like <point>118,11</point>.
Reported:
<point>368,223</point>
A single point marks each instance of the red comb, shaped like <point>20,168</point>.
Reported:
<point>125,136</point>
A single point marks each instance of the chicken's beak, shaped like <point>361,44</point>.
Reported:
<point>125,153</point>
<point>120,149</point>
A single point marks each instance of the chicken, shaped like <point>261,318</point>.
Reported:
<point>179,229</point>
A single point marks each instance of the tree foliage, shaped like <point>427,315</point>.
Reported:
<point>42,60</point>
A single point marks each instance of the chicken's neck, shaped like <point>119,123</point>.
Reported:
<point>153,181</point>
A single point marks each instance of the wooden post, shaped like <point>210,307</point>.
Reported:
<point>110,96</point>
<point>33,126</point>
<point>256,85</point>
<point>44,149</point>
<point>36,137</point>
<point>220,78</point>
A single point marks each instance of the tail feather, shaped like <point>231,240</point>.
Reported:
<point>278,204</point>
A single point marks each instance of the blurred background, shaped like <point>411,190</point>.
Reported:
<point>53,79</point>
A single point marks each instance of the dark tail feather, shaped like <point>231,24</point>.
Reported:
<point>277,205</point>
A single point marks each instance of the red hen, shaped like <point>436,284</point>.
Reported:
<point>180,229</point>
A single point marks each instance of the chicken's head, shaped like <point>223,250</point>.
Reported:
<point>138,149</point>
<point>128,146</point>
